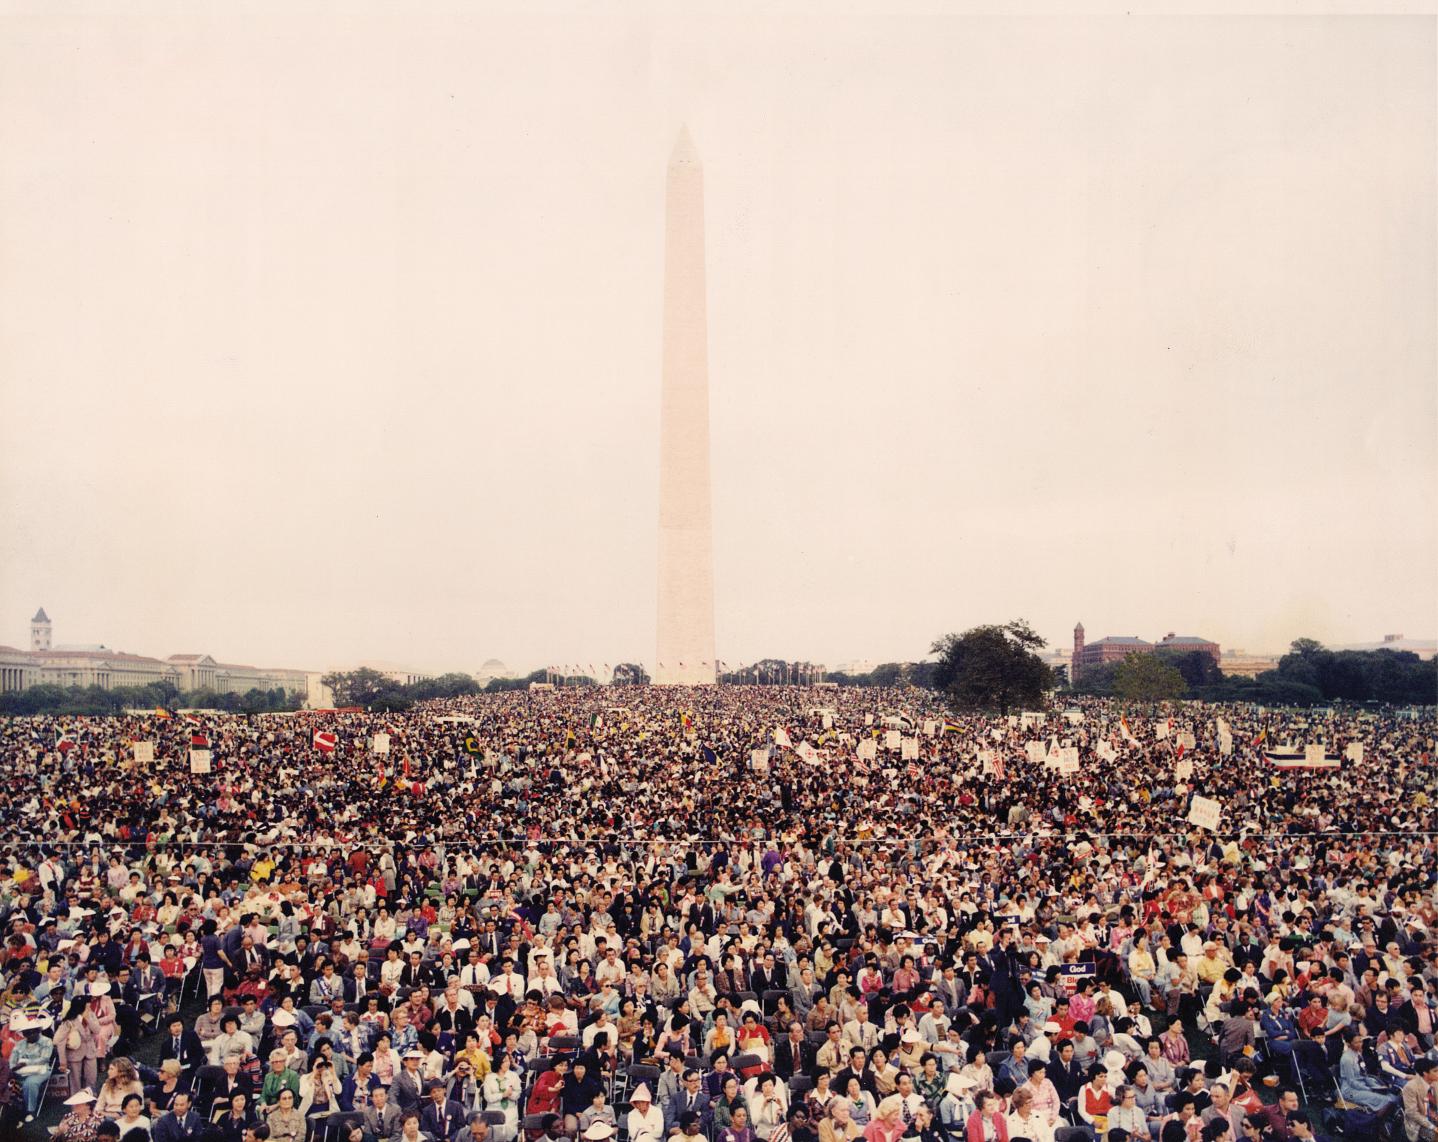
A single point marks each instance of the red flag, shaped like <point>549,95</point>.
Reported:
<point>999,767</point>
<point>1179,752</point>
<point>406,766</point>
<point>192,719</point>
<point>325,741</point>
<point>199,741</point>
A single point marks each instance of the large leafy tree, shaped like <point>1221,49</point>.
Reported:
<point>629,674</point>
<point>992,668</point>
<point>1148,678</point>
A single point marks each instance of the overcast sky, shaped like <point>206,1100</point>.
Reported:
<point>330,336</point>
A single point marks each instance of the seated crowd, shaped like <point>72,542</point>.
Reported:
<point>787,981</point>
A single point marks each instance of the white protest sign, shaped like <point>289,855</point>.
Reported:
<point>868,719</point>
<point>997,735</point>
<point>1225,744</point>
<point>759,761</point>
<point>1073,717</point>
<point>199,761</point>
<point>931,727</point>
<point>1204,812</point>
<point>144,753</point>
<point>1160,729</point>
<point>1106,751</point>
<point>781,737</point>
<point>986,761</point>
<point>868,749</point>
<point>380,743</point>
<point>828,722</point>
<point>892,739</point>
<point>1183,770</point>
<point>1068,760</point>
<point>909,750</point>
<point>1187,740</point>
<point>1354,752</point>
<point>1029,719</point>
<point>1035,751</point>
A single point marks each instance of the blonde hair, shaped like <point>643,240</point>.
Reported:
<point>892,1105</point>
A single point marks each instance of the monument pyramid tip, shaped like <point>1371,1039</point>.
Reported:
<point>684,149</point>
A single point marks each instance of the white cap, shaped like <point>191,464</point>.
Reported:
<point>641,1094</point>
<point>283,1018</point>
<point>1051,1028</point>
<point>99,987</point>
<point>956,1083</point>
<point>80,1097</point>
<point>460,945</point>
<point>598,1131</point>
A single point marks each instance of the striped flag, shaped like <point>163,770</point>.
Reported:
<point>163,714</point>
<point>325,741</point>
<point>199,741</point>
<point>193,719</point>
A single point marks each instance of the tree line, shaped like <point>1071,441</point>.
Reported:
<point>96,700</point>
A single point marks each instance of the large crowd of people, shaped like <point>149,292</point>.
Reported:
<point>729,914</point>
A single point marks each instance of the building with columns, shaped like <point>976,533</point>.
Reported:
<point>44,664</point>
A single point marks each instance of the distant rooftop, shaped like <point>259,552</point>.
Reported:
<point>40,616</point>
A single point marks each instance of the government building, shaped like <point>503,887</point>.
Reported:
<point>1116,649</point>
<point>44,664</point>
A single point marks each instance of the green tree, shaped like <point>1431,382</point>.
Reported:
<point>364,687</point>
<point>1198,668</point>
<point>1148,678</point>
<point>992,667</point>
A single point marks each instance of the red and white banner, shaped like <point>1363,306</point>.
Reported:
<point>325,741</point>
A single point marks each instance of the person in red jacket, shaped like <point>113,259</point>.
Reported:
<point>987,1124</point>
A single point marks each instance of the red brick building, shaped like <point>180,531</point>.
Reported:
<point>1116,649</point>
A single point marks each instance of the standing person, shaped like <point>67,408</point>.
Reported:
<point>77,1043</point>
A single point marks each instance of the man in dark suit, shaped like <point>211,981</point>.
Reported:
<point>793,1054</point>
<point>181,1124</point>
<point>441,1115</point>
<point>691,1096</point>
<point>183,1044</point>
<point>771,975</point>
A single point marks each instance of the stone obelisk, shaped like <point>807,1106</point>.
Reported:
<point>686,546</point>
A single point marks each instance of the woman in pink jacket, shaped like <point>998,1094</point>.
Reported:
<point>77,1045</point>
<point>988,1124</point>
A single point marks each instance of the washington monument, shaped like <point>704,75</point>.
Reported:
<point>686,543</point>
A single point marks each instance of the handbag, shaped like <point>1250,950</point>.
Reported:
<point>74,1041</point>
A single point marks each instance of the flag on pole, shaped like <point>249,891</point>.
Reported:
<point>163,714</point>
<point>781,737</point>
<point>950,726</point>
<point>192,719</point>
<point>325,741</point>
<point>1127,733</point>
<point>471,745</point>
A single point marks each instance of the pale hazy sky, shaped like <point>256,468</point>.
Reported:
<point>331,334</point>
